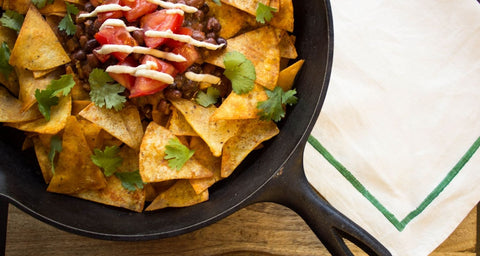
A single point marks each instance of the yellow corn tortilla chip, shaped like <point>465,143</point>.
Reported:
<point>20,6</point>
<point>106,139</point>
<point>283,18</point>
<point>230,18</point>
<point>242,106</point>
<point>28,85</point>
<point>57,7</point>
<point>179,126</point>
<point>214,133</point>
<point>42,73</point>
<point>79,105</point>
<point>287,46</point>
<point>37,48</point>
<point>124,125</point>
<point>287,76</point>
<point>58,119</point>
<point>204,156</point>
<point>11,109</point>
<point>249,6</point>
<point>75,171</point>
<point>90,131</point>
<point>42,149</point>
<point>114,193</point>
<point>237,148</point>
<point>261,47</point>
<point>181,194</point>
<point>153,166</point>
<point>11,82</point>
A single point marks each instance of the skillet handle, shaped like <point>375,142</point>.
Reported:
<point>291,188</point>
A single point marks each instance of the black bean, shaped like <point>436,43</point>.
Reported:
<point>189,89</point>
<point>79,55</point>
<point>92,60</point>
<point>83,41</point>
<point>211,35</point>
<point>221,40</point>
<point>195,68</point>
<point>163,107</point>
<point>195,3</point>
<point>213,24</point>
<point>147,111</point>
<point>199,15</point>
<point>89,7</point>
<point>198,35</point>
<point>205,8</point>
<point>198,26</point>
<point>224,87</point>
<point>90,45</point>
<point>79,31</point>
<point>172,94</point>
<point>86,69</point>
<point>72,45</point>
<point>138,36</point>
<point>210,40</point>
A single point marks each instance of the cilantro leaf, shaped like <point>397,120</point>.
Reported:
<point>240,71</point>
<point>41,3</point>
<point>66,24</point>
<point>272,109</point>
<point>130,180</point>
<point>55,146</point>
<point>12,19</point>
<point>177,154</point>
<point>5,67</point>
<point>48,98</point>
<point>217,2</point>
<point>264,13</point>
<point>108,160</point>
<point>102,93</point>
<point>209,98</point>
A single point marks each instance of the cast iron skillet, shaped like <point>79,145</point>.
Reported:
<point>273,174</point>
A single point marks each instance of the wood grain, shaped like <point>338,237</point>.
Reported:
<point>261,229</point>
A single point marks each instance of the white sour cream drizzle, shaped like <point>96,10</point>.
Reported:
<point>105,8</point>
<point>207,78</point>
<point>144,70</point>
<point>182,38</point>
<point>168,5</point>
<point>110,48</point>
<point>118,23</point>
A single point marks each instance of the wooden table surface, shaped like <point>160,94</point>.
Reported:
<point>261,229</point>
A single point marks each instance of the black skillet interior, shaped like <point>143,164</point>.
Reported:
<point>21,182</point>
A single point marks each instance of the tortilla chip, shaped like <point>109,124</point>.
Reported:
<point>284,17</point>
<point>79,105</point>
<point>153,166</point>
<point>75,171</point>
<point>204,156</point>
<point>42,150</point>
<point>230,18</point>
<point>214,133</point>
<point>179,126</point>
<point>181,194</point>
<point>11,109</point>
<point>287,76</point>
<point>114,193</point>
<point>90,131</point>
<point>259,46</point>
<point>37,48</point>
<point>287,46</point>
<point>125,124</point>
<point>11,82</point>
<point>242,106</point>
<point>237,148</point>
<point>249,6</point>
<point>105,139</point>
<point>57,7</point>
<point>28,85</point>
<point>20,6</point>
<point>79,2</point>
<point>58,119</point>
<point>42,73</point>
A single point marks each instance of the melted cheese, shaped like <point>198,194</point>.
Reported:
<point>168,5</point>
<point>183,38</point>
<point>104,8</point>
<point>110,48</point>
<point>207,78</point>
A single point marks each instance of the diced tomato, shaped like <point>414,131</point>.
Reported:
<point>146,86</point>
<point>160,21</point>
<point>190,53</point>
<point>125,80</point>
<point>139,9</point>
<point>181,31</point>
<point>101,57</point>
<point>115,35</point>
<point>110,15</point>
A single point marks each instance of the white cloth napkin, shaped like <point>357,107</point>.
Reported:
<point>401,120</point>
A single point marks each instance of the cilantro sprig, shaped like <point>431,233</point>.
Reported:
<point>55,147</point>
<point>108,160</point>
<point>103,93</point>
<point>240,71</point>
<point>208,98</point>
<point>264,13</point>
<point>5,68</point>
<point>177,154</point>
<point>217,2</point>
<point>66,24</point>
<point>12,19</point>
<point>130,180</point>
<point>49,97</point>
<point>272,109</point>
<point>41,3</point>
